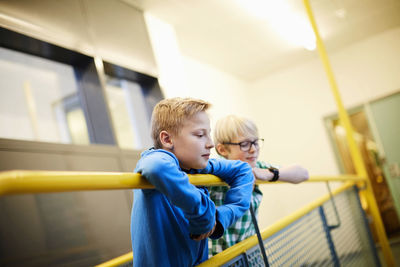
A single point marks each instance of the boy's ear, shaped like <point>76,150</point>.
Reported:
<point>222,150</point>
<point>166,140</point>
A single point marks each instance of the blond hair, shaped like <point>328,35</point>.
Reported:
<point>170,115</point>
<point>232,127</point>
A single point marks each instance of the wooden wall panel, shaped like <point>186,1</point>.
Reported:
<point>73,228</point>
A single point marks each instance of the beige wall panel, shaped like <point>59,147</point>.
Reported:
<point>108,218</point>
<point>83,228</point>
<point>129,162</point>
<point>110,29</point>
<point>91,162</point>
<point>11,160</point>
<point>20,227</point>
<point>57,22</point>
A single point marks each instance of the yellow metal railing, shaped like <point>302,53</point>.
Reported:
<point>245,245</point>
<point>25,182</point>
<point>118,261</point>
<point>239,248</point>
<point>354,150</point>
<point>249,243</point>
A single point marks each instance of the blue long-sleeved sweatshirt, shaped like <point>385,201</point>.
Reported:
<point>163,218</point>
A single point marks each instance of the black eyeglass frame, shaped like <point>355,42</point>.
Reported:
<point>241,144</point>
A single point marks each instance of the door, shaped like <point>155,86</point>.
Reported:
<point>385,116</point>
<point>370,153</point>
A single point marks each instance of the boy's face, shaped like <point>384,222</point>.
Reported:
<point>193,142</point>
<point>234,152</point>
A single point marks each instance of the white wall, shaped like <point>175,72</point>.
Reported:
<point>186,77</point>
<point>230,95</point>
<point>183,76</point>
<point>227,94</point>
<point>290,105</point>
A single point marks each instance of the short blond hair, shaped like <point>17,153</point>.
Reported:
<point>231,127</point>
<point>170,115</point>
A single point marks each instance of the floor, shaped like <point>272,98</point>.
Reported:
<point>395,245</point>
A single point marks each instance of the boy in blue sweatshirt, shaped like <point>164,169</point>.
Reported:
<point>170,224</point>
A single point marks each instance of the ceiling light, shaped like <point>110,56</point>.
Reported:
<point>290,25</point>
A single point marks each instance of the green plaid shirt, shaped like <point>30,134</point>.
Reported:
<point>243,227</point>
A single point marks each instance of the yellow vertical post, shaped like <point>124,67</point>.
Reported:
<point>355,152</point>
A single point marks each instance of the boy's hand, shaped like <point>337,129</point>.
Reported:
<point>294,174</point>
<point>203,236</point>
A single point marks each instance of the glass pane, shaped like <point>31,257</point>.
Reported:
<point>35,98</point>
<point>129,114</point>
<point>77,127</point>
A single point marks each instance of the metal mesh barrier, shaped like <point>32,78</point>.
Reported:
<point>320,238</point>
<point>126,264</point>
<point>301,242</point>
<point>352,239</point>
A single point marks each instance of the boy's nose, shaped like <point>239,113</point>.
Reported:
<point>210,144</point>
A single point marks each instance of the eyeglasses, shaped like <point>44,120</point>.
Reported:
<point>245,146</point>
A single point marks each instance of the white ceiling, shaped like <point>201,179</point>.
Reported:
<point>224,34</point>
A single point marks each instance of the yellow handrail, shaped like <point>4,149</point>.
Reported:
<point>250,242</point>
<point>354,151</point>
<point>25,182</point>
<point>117,261</point>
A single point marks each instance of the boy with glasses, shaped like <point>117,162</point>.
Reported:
<point>237,139</point>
